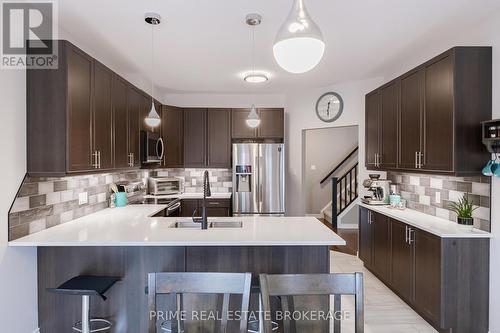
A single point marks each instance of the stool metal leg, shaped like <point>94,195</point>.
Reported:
<point>85,314</point>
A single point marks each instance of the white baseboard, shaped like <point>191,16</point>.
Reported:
<point>37,330</point>
<point>319,216</point>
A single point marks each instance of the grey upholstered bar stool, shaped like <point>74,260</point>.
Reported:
<point>86,286</point>
<point>289,285</point>
<point>198,283</point>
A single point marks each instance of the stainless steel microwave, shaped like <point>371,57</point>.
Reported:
<point>152,147</point>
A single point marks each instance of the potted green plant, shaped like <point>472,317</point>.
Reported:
<point>464,208</point>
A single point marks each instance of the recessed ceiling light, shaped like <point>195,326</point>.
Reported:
<point>256,78</point>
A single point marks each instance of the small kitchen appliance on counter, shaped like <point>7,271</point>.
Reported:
<point>379,188</point>
<point>165,185</point>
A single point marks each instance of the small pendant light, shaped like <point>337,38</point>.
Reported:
<point>299,44</point>
<point>253,20</point>
<point>153,119</point>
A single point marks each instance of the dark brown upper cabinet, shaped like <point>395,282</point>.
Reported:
<point>439,107</point>
<point>411,119</point>
<point>195,138</point>
<point>271,126</point>
<point>103,116</point>
<point>219,138</point>
<point>173,136</point>
<point>135,105</point>
<point>207,138</point>
<point>388,157</point>
<point>120,121</point>
<point>372,129</point>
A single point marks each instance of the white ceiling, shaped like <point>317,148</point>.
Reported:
<point>204,45</point>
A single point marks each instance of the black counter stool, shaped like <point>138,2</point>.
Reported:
<point>87,286</point>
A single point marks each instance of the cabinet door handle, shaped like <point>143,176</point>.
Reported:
<point>420,159</point>
<point>99,158</point>
<point>406,234</point>
<point>410,233</point>
<point>94,160</point>
<point>416,160</point>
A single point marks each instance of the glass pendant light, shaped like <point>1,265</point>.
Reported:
<point>253,20</point>
<point>299,45</point>
<point>253,119</point>
<point>153,118</point>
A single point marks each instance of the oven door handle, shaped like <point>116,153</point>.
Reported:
<point>160,142</point>
<point>173,208</point>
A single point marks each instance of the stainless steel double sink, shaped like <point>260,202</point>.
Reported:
<point>188,224</point>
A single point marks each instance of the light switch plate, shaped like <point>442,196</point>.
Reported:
<point>83,198</point>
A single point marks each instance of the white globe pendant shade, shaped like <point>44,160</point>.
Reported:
<point>253,119</point>
<point>153,119</point>
<point>299,45</point>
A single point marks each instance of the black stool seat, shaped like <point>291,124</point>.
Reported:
<point>86,285</point>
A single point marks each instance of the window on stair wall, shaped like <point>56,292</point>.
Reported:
<point>323,149</point>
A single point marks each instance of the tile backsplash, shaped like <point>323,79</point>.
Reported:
<point>432,194</point>
<point>42,203</point>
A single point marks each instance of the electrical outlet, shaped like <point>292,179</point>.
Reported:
<point>313,167</point>
<point>438,197</point>
<point>83,198</point>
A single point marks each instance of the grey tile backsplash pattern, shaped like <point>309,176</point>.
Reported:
<point>46,202</point>
<point>432,194</point>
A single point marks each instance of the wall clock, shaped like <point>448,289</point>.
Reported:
<point>329,107</point>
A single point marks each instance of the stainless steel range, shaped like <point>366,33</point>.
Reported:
<point>258,179</point>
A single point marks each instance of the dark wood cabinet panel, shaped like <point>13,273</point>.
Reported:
<point>389,125</point>
<point>401,260</point>
<point>103,116</point>
<point>79,110</point>
<point>219,138</point>
<point>271,124</point>
<point>173,136</point>
<point>372,127</point>
<point>240,129</point>
<point>119,103</point>
<point>365,237</point>
<point>427,274</point>
<point>444,279</point>
<point>411,119</point>
<point>441,104</point>
<point>438,116</point>
<point>134,107</point>
<point>381,243</point>
<point>189,207</point>
<point>195,138</point>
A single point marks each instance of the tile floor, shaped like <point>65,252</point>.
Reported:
<point>384,311</point>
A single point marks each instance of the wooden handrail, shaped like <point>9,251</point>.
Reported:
<point>339,165</point>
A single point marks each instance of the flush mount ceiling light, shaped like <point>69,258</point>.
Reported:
<point>256,77</point>
<point>299,45</point>
<point>253,119</point>
<point>153,118</point>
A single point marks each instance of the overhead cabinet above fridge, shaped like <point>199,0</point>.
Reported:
<point>428,120</point>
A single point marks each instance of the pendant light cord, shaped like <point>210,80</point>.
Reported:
<point>153,23</point>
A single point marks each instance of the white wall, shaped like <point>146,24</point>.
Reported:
<point>300,115</point>
<point>486,33</point>
<point>324,160</point>
<point>18,282</point>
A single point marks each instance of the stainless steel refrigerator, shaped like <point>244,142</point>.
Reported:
<point>258,179</point>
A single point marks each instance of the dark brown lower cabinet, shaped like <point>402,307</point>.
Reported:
<point>446,280</point>
<point>215,207</point>
<point>402,260</point>
<point>380,234</point>
<point>427,273</point>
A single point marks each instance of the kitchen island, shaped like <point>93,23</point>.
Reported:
<point>129,243</point>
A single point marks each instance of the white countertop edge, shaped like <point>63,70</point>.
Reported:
<point>172,244</point>
<point>454,232</point>
<point>189,195</point>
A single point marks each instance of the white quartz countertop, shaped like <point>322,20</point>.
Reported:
<point>219,195</point>
<point>432,224</point>
<point>133,226</point>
